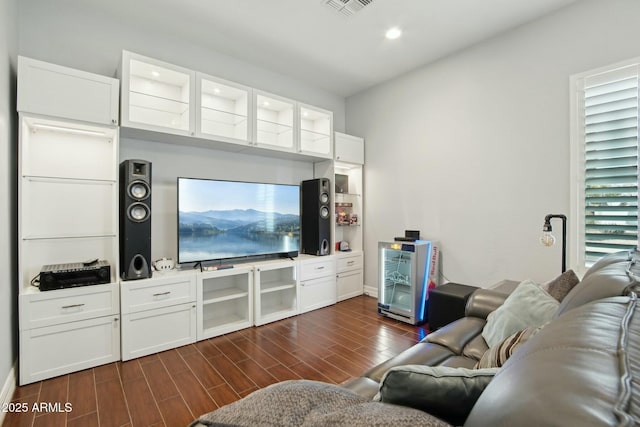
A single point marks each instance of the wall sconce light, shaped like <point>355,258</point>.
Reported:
<point>548,239</point>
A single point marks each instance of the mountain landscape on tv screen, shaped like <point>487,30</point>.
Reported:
<point>238,221</point>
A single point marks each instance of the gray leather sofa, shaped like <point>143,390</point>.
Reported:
<point>581,369</point>
<point>459,344</point>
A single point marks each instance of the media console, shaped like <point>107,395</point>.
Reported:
<point>178,307</point>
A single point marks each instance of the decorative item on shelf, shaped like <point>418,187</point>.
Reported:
<point>343,246</point>
<point>353,220</point>
<point>341,183</point>
<point>343,216</point>
<point>548,239</point>
<point>164,264</point>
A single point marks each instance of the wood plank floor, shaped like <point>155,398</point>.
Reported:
<point>333,344</point>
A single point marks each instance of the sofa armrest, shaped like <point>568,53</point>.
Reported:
<point>484,301</point>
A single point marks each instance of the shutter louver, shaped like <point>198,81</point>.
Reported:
<point>611,167</point>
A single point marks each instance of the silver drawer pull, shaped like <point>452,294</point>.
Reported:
<point>320,268</point>
<point>162,294</point>
<point>64,307</point>
<point>350,262</point>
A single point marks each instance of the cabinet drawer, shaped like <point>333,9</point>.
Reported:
<point>67,305</point>
<point>312,269</point>
<point>141,295</point>
<point>317,293</point>
<point>349,263</point>
<point>158,330</point>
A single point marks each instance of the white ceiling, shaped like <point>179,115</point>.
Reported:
<point>310,41</point>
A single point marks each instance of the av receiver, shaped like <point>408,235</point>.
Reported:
<point>61,276</point>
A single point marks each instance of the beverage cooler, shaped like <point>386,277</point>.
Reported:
<point>407,270</point>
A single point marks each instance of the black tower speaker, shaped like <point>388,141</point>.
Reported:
<point>316,217</point>
<point>135,219</point>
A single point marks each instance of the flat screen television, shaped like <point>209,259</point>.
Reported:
<point>230,219</point>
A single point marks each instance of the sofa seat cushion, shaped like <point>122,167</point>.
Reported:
<point>313,404</point>
<point>448,393</point>
<point>581,369</point>
<point>423,353</point>
<point>456,335</point>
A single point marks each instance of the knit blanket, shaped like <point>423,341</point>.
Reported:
<point>310,404</point>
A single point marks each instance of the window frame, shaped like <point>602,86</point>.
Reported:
<point>577,225</point>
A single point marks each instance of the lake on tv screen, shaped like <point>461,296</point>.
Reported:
<point>216,234</point>
<point>198,248</point>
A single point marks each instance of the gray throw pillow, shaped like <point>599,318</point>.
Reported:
<point>561,285</point>
<point>528,305</point>
<point>445,392</point>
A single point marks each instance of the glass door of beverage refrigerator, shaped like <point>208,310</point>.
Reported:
<point>397,266</point>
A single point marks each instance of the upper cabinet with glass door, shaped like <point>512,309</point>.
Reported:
<point>157,96</point>
<point>316,131</point>
<point>275,122</point>
<point>223,110</point>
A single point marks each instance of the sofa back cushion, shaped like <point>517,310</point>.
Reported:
<point>581,369</point>
<point>606,278</point>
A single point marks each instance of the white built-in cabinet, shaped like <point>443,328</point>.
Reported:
<point>275,119</point>
<point>346,175</point>
<point>316,131</point>
<point>66,93</point>
<point>165,99</point>
<point>158,313</point>
<point>156,95</point>
<point>275,291</point>
<point>67,213</point>
<point>317,282</point>
<point>349,274</point>
<point>223,110</point>
<point>225,301</point>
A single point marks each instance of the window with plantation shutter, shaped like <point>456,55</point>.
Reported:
<point>605,142</point>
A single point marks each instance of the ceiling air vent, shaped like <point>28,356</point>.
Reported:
<point>348,7</point>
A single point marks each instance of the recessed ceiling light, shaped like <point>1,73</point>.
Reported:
<point>393,33</point>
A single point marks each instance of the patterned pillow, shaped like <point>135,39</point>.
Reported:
<point>497,355</point>
<point>561,285</point>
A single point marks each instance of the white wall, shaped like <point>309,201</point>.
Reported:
<point>8,156</point>
<point>474,150</point>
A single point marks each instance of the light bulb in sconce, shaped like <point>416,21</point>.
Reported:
<point>547,238</point>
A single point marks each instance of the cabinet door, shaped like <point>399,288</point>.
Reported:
<point>275,293</point>
<point>350,284</point>
<point>58,91</point>
<point>349,148</point>
<point>157,330</point>
<point>316,131</point>
<point>223,110</point>
<point>317,293</point>
<point>56,350</point>
<point>157,96</point>
<point>275,122</point>
<point>225,301</point>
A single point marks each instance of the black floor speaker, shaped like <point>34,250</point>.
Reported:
<point>135,219</point>
<point>315,212</point>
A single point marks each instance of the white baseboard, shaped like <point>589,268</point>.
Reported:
<point>7,391</point>
<point>371,291</point>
